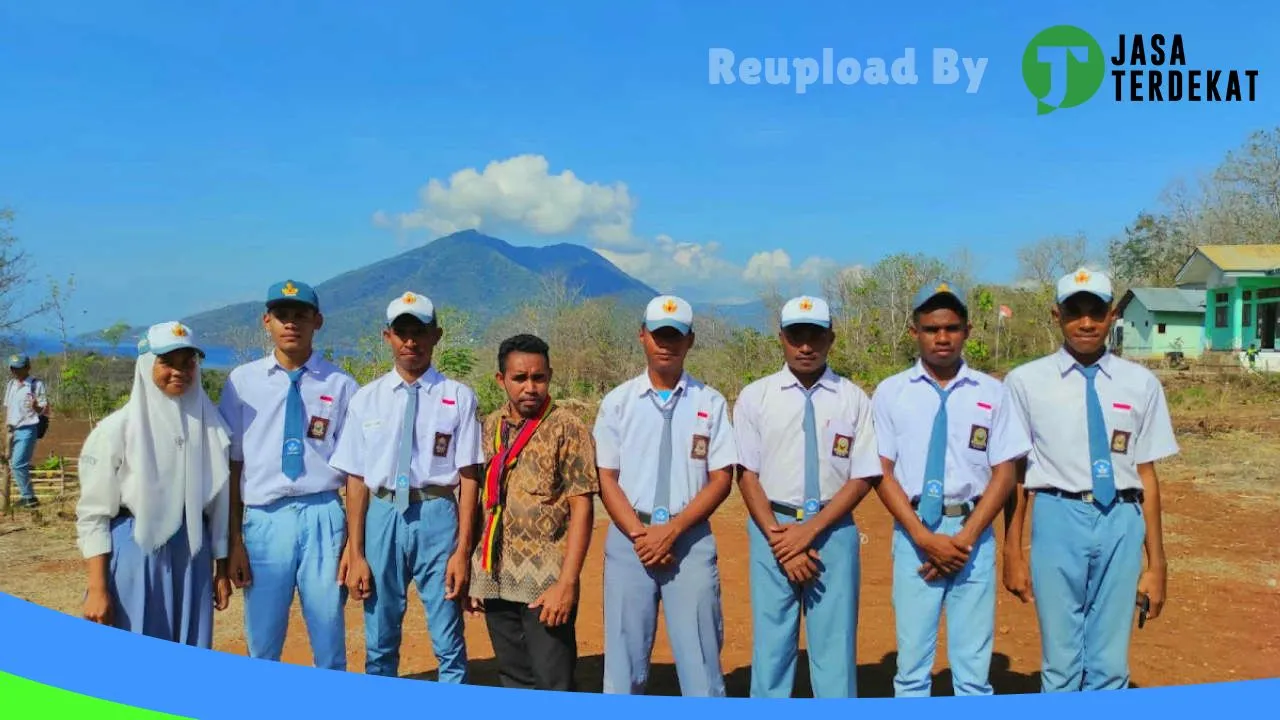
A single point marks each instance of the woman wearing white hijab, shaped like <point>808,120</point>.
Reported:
<point>152,516</point>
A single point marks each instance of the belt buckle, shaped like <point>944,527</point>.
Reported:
<point>1087,496</point>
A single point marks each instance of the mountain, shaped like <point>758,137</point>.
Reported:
<point>468,271</point>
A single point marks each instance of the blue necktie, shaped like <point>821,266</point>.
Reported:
<point>406,447</point>
<point>812,489</point>
<point>935,467</point>
<point>1104,481</point>
<point>662,495</point>
<point>294,421</point>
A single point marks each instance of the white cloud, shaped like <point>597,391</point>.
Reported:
<point>520,192</point>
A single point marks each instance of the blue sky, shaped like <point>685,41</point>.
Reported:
<point>150,148</point>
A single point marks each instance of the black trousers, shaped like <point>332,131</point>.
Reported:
<point>531,655</point>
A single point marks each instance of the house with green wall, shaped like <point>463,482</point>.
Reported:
<point>1241,287</point>
<point>1153,322</point>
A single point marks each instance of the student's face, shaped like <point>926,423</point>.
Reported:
<point>665,348</point>
<point>412,342</point>
<point>174,371</point>
<point>527,381</point>
<point>1085,321</point>
<point>292,326</point>
<point>940,336</point>
<point>805,347</point>
<point>19,373</point>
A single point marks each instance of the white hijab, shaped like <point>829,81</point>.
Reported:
<point>175,451</point>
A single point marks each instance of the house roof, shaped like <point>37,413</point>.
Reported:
<point>1246,259</point>
<point>1168,300</point>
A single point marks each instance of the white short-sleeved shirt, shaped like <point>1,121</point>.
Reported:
<point>253,405</point>
<point>983,430</point>
<point>1049,394</point>
<point>17,399</point>
<point>628,433</point>
<point>446,430</point>
<point>768,421</point>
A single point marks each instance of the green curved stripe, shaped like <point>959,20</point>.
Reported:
<point>25,698</point>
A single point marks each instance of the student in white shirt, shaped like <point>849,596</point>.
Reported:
<point>26,405</point>
<point>151,521</point>
<point>287,526</point>
<point>807,451</point>
<point>413,435</point>
<point>948,437</point>
<point>665,452</point>
<point>1098,424</point>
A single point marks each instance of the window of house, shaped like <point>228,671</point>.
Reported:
<point>1160,329</point>
<point>1247,313</point>
<point>1221,297</point>
<point>1248,294</point>
<point>1220,316</point>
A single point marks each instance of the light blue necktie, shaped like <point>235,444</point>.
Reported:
<point>1104,481</point>
<point>812,489</point>
<point>406,447</point>
<point>295,420</point>
<point>935,467</point>
<point>662,495</point>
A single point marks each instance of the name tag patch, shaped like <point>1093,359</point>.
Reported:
<point>978,438</point>
<point>1120,442</point>
<point>841,444</point>
<point>441,448</point>
<point>700,445</point>
<point>317,427</point>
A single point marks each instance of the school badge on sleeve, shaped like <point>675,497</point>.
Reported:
<point>700,444</point>
<point>1120,442</point>
<point>442,445</point>
<point>978,438</point>
<point>840,445</point>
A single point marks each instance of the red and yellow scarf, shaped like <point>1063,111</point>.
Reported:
<point>504,458</point>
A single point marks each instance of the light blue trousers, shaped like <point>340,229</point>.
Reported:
<point>969,598</point>
<point>414,545</point>
<point>689,594</point>
<point>1085,566</point>
<point>296,544</point>
<point>24,448</point>
<point>830,607</point>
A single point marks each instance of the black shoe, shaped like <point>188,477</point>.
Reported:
<point>29,503</point>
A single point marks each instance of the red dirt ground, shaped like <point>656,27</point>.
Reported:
<point>1222,621</point>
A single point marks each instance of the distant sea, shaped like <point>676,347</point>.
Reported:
<point>216,357</point>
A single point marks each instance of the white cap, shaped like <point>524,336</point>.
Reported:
<point>807,310</point>
<point>668,311</point>
<point>411,303</point>
<point>166,337</point>
<point>1083,280</point>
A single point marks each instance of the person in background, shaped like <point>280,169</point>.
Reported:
<point>26,405</point>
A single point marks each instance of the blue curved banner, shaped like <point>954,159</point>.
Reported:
<point>73,655</point>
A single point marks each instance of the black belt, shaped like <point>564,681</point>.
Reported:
<point>1128,495</point>
<point>416,495</point>
<point>792,510</point>
<point>961,510</point>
